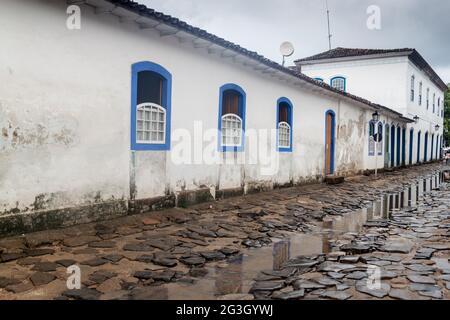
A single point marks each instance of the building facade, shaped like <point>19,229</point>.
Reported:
<point>400,79</point>
<point>137,111</point>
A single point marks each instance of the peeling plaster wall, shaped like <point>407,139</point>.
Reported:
<point>350,140</point>
<point>65,114</point>
<point>63,129</point>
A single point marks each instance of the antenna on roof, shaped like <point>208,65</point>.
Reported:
<point>287,50</point>
<point>328,21</point>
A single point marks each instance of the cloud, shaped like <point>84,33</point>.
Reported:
<point>262,25</point>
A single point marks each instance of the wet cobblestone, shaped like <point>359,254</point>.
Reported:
<point>222,249</point>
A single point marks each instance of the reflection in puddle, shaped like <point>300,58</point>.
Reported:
<point>281,253</point>
<point>237,276</point>
<point>229,279</point>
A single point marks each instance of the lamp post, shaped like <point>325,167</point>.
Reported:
<point>375,118</point>
<point>437,127</point>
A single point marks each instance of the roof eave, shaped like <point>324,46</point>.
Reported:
<point>353,58</point>
<point>149,18</point>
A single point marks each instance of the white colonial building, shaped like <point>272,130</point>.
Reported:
<point>398,78</point>
<point>137,110</point>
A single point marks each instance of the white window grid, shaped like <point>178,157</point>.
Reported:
<point>284,135</point>
<point>150,124</point>
<point>338,83</point>
<point>231,130</point>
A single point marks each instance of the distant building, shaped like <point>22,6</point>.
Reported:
<point>398,78</point>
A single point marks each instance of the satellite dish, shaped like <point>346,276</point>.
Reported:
<point>286,49</point>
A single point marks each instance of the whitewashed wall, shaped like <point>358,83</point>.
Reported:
<point>65,113</point>
<point>381,80</point>
<point>387,81</point>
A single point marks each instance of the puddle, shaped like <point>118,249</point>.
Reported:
<point>237,276</point>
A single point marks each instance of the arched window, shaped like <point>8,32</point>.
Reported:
<point>413,79</point>
<point>231,118</point>
<point>284,125</point>
<point>380,143</point>
<point>411,143</point>
<point>318,79</point>
<point>432,147</point>
<point>371,141</point>
<point>419,134</point>
<point>338,83</point>
<point>428,98</point>
<point>437,147</point>
<point>398,136</point>
<point>151,107</point>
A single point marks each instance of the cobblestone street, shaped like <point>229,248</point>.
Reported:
<point>309,242</point>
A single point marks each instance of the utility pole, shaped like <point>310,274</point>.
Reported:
<point>328,21</point>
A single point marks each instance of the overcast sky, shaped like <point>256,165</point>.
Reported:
<point>262,25</point>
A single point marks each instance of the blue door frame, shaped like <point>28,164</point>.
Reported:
<point>425,149</point>
<point>398,146</point>
<point>392,146</point>
<point>437,147</point>
<point>432,147</point>
<point>411,143</point>
<point>333,128</point>
<point>403,146</point>
<point>418,147</point>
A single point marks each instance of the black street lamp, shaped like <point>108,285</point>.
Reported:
<point>437,127</point>
<point>416,118</point>
<point>375,116</point>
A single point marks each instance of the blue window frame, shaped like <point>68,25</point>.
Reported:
<point>339,83</point>
<point>284,125</point>
<point>151,92</point>
<point>418,146</point>
<point>432,147</point>
<point>371,133</point>
<point>437,147</point>
<point>392,145</point>
<point>231,122</point>
<point>318,79</point>
<point>403,146</point>
<point>425,150</point>
<point>380,133</point>
<point>411,143</point>
<point>398,146</point>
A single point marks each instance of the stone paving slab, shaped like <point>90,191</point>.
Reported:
<point>152,255</point>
